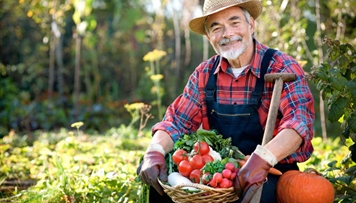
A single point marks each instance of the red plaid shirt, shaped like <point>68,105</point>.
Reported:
<point>188,112</point>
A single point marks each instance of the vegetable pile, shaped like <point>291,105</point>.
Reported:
<point>204,157</point>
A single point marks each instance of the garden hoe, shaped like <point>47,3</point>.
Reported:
<point>278,79</point>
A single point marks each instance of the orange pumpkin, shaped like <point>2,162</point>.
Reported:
<point>300,187</point>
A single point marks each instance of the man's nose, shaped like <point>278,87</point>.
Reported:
<point>227,32</point>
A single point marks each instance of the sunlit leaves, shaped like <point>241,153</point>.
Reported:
<point>322,75</point>
<point>134,109</point>
<point>154,58</point>
<point>336,79</point>
<point>95,169</point>
<point>353,154</point>
<point>337,109</point>
<point>338,83</point>
<point>352,123</point>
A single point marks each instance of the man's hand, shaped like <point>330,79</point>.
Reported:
<point>153,166</point>
<point>254,173</point>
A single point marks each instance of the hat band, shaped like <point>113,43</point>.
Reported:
<point>220,6</point>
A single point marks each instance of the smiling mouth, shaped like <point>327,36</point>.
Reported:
<point>230,43</point>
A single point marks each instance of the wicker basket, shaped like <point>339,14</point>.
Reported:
<point>203,193</point>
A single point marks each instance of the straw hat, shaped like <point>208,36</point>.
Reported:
<point>254,7</point>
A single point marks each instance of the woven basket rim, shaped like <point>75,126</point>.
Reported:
<point>179,192</point>
<point>196,185</point>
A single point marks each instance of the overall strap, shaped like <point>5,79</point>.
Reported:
<point>257,93</point>
<point>210,92</point>
<point>210,86</point>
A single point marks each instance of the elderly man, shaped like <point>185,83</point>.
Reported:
<point>228,93</point>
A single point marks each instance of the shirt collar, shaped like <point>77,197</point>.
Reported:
<point>254,65</point>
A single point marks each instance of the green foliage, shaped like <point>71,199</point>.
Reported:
<point>37,33</point>
<point>8,102</point>
<point>332,159</point>
<point>336,79</point>
<point>72,167</point>
<point>155,75</point>
<point>215,140</point>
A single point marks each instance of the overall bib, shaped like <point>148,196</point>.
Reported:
<point>242,123</point>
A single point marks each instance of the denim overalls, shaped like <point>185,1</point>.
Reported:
<point>242,123</point>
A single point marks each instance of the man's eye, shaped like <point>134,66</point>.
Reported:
<point>216,29</point>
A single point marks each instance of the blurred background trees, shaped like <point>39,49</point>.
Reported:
<point>63,61</point>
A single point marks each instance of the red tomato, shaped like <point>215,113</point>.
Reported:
<point>195,176</point>
<point>226,173</point>
<point>197,161</point>
<point>184,168</point>
<point>201,147</point>
<point>206,178</point>
<point>179,155</point>
<point>207,158</point>
<point>230,166</point>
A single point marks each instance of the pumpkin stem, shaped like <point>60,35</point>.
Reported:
<point>312,170</point>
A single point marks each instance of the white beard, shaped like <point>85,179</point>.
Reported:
<point>233,54</point>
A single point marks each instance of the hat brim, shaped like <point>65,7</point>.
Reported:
<point>253,7</point>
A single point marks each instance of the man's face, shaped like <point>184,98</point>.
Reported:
<point>229,32</point>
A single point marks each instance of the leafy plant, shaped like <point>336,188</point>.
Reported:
<point>332,159</point>
<point>81,168</point>
<point>336,79</point>
<point>154,57</point>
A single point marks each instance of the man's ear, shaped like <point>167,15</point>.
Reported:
<point>252,24</point>
<point>207,36</point>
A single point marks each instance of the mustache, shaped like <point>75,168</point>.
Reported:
<point>231,39</point>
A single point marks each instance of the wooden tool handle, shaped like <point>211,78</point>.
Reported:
<point>278,78</point>
<point>286,77</point>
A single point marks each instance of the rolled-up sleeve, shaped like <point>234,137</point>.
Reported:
<point>297,107</point>
<point>184,115</point>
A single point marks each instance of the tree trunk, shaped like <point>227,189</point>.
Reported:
<point>97,76</point>
<point>189,6</point>
<point>177,47</point>
<point>77,75</point>
<point>90,92</point>
<point>51,65</point>
<point>59,60</point>
<point>320,51</point>
<point>188,47</point>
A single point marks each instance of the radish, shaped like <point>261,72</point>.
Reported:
<point>233,176</point>
<point>230,166</point>
<point>217,177</point>
<point>226,173</point>
<point>225,183</point>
